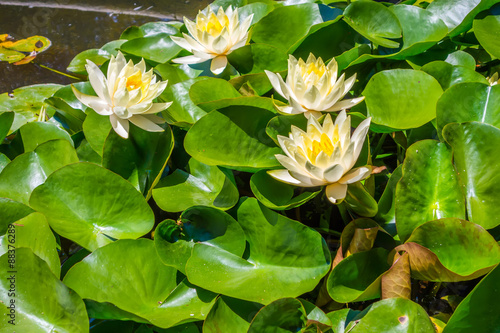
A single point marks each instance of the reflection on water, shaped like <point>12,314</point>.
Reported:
<point>75,26</point>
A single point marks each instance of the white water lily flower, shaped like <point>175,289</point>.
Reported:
<point>324,155</point>
<point>125,94</point>
<point>312,87</point>
<point>213,37</point>
<point>493,80</point>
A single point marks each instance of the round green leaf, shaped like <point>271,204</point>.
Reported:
<point>203,185</point>
<point>478,312</point>
<point>277,195</point>
<point>230,315</point>
<point>283,315</point>
<point>174,241</point>
<point>92,206</point>
<point>475,154</point>
<point>158,48</point>
<point>11,211</point>
<point>144,155</point>
<point>449,75</point>
<point>393,95</point>
<point>281,125</point>
<point>386,214</point>
<point>34,134</point>
<point>21,176</point>
<point>26,102</point>
<point>461,246</point>
<point>33,232</point>
<point>285,25</point>
<point>486,29</point>
<point>286,259</point>
<point>357,277</point>
<point>458,14</point>
<point>96,129</point>
<point>6,120</point>
<point>42,302</point>
<point>97,56</point>
<point>4,160</point>
<point>233,136</point>
<point>396,315</point>
<point>421,29</point>
<point>255,58</point>
<point>138,282</point>
<point>341,318</point>
<point>374,21</point>
<point>469,102</point>
<point>429,189</point>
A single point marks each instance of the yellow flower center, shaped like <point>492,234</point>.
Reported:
<point>324,145</point>
<point>134,81</point>
<point>213,26</point>
<point>313,68</point>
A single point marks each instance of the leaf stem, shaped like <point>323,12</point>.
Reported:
<point>379,146</point>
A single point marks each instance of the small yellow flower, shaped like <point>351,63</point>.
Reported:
<point>213,36</point>
<point>126,94</point>
<point>312,87</point>
<point>324,155</point>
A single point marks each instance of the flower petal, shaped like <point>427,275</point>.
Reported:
<point>218,64</point>
<point>355,175</point>
<point>336,192</point>
<point>333,173</point>
<point>145,124</point>
<point>120,126</point>
<point>285,177</point>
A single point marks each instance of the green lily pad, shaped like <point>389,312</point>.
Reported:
<point>277,195</point>
<point>33,232</point>
<point>375,22</point>
<point>255,58</point>
<point>459,250</point>
<point>341,318</point>
<point>12,211</point>
<point>150,29</point>
<point>234,137</point>
<point>475,152</point>
<point>21,176</point>
<point>449,75</point>
<point>158,48</point>
<point>429,189</point>
<point>357,277</point>
<point>174,241</point>
<point>469,102</point>
<point>286,259</point>
<point>478,311</point>
<point>203,185</point>
<point>139,283</point>
<point>281,125</point>
<point>6,120</point>
<point>96,129</point>
<point>386,214</point>
<point>92,206</point>
<point>392,315</point>
<point>4,160</point>
<point>34,134</point>
<point>230,315</point>
<point>26,102</point>
<point>283,315</point>
<point>144,155</point>
<point>183,112</point>
<point>392,95</point>
<point>485,30</point>
<point>286,25</point>
<point>97,56</point>
<point>51,306</point>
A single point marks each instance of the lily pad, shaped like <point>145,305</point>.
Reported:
<point>429,189</point>
<point>92,206</point>
<point>50,306</point>
<point>474,152</point>
<point>6,120</point>
<point>286,259</point>
<point>392,95</point>
<point>486,28</point>
<point>203,185</point>
<point>34,134</point>
<point>158,48</point>
<point>21,176</point>
<point>174,241</point>
<point>375,22</point>
<point>234,137</point>
<point>141,284</point>
<point>33,232</point>
<point>230,315</point>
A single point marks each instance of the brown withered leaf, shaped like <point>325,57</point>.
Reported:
<point>397,282</point>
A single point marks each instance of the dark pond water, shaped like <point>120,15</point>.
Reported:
<point>74,26</point>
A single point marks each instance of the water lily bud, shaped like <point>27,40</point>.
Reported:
<point>493,80</point>
<point>125,94</point>
<point>213,36</point>
<point>312,87</point>
<point>324,155</point>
